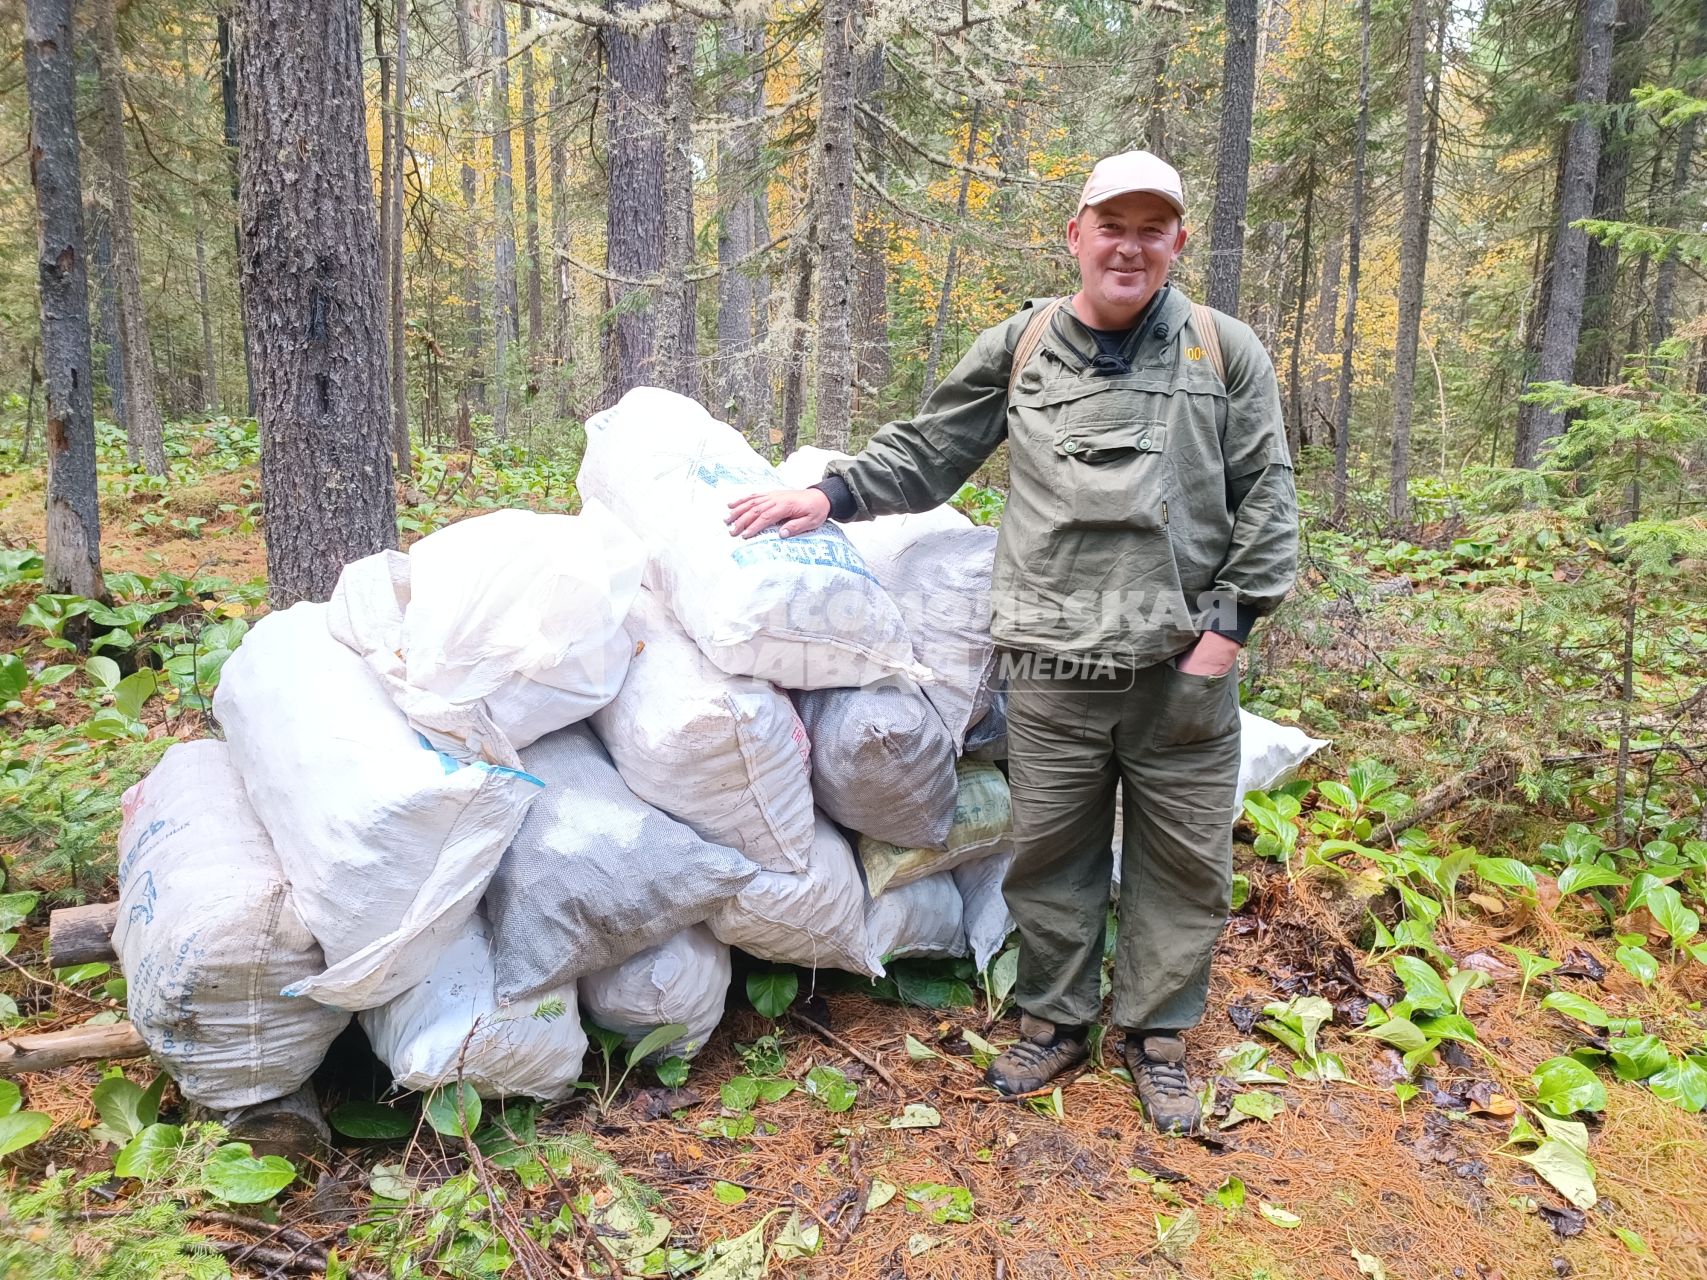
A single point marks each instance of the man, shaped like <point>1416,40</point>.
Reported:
<point>1150,520</point>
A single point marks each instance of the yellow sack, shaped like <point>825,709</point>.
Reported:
<point>983,822</point>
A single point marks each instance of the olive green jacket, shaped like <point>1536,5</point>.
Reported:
<point>1143,508</point>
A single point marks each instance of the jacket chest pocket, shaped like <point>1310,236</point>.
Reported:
<point>1111,457</point>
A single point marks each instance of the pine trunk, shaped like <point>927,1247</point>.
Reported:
<point>740,49</point>
<point>1413,264</point>
<point>228,106</point>
<point>563,286</point>
<point>312,297</point>
<point>210,370</point>
<point>71,553</point>
<point>1354,252</point>
<point>1321,410</point>
<point>474,380</point>
<point>1568,269</point>
<point>1295,375</point>
<point>1233,157</point>
<point>836,228</point>
<point>506,318</point>
<point>945,296</point>
<point>678,365</point>
<point>634,218</point>
<point>394,250</point>
<point>530,199</point>
<point>108,312</point>
<point>143,428</point>
<point>800,311</point>
<point>871,304</point>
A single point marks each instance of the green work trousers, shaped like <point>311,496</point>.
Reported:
<point>1172,741</point>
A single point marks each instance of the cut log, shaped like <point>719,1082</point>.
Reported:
<point>291,1126</point>
<point>51,1049</point>
<point>82,935</point>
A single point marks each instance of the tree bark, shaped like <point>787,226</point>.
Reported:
<point>210,370</point>
<point>800,311</point>
<point>71,553</point>
<point>1597,353</point>
<point>143,428</point>
<point>1295,375</point>
<point>945,296</point>
<point>530,199</point>
<point>1563,320</point>
<point>394,250</point>
<point>871,305</point>
<point>1354,251</point>
<point>473,386</point>
<point>1665,279</point>
<point>836,228</point>
<point>1233,157</point>
<point>563,284</point>
<point>677,363</point>
<point>228,107</point>
<point>506,317</point>
<point>108,308</point>
<point>1413,264</point>
<point>1321,410</point>
<point>634,218</point>
<point>741,49</point>
<point>311,293</point>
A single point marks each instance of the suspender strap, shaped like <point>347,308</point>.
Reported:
<point>1203,320</point>
<point>1029,340</point>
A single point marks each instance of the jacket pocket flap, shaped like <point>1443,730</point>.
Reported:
<point>1093,440</point>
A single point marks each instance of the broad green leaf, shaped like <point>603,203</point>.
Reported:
<point>77,974</point>
<point>15,908</point>
<point>389,1182</point>
<point>918,1051</point>
<point>21,1128</point>
<point>1255,1105</point>
<point>983,1052</point>
<point>371,1120</point>
<point>1175,1235</point>
<point>656,1039</point>
<point>150,1153</point>
<point>1639,963</point>
<point>134,690</point>
<point>1247,1063</point>
<point>742,1258</point>
<point>14,676</point>
<point>109,724</point>
<point>916,1115</point>
<point>627,1230</point>
<point>236,1176</point>
<point>881,1193</point>
<point>11,1098</point>
<point>1280,1217</point>
<point>942,1203</point>
<point>1230,1194</point>
<point>1683,1084</point>
<point>739,1093</point>
<point>1508,873</point>
<point>1637,1057</point>
<point>1564,1086</point>
<point>672,1072</point>
<point>1004,974</point>
<point>771,1090</point>
<point>1666,906</point>
<point>795,1240</point>
<point>1587,875</point>
<point>1566,1168</point>
<point>1464,981</point>
<point>453,1109</point>
<point>829,1086</point>
<point>728,1192</point>
<point>507,1138</point>
<point>125,1108</point>
<point>103,673</point>
<point>1403,1034</point>
<point>1633,1242</point>
<point>1423,988</point>
<point>773,991</point>
<point>1575,1006</point>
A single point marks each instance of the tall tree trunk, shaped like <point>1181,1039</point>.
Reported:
<point>228,105</point>
<point>836,228</point>
<point>678,364</point>
<point>394,250</point>
<point>1321,409</point>
<point>1354,251</point>
<point>563,286</point>
<point>1295,376</point>
<point>210,369</point>
<point>945,296</point>
<point>762,366</point>
<point>1413,264</point>
<point>506,317</point>
<point>473,387</point>
<point>1597,354</point>
<point>1563,320</point>
<point>108,310</point>
<point>634,217</point>
<point>800,310</point>
<point>142,407</point>
<point>871,269</point>
<point>530,198</point>
<point>71,553</point>
<point>740,50</point>
<point>1233,157</point>
<point>1674,205</point>
<point>312,299</point>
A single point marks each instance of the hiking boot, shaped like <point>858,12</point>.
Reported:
<point>1157,1064</point>
<point>1043,1052</point>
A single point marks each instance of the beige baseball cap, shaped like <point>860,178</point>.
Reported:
<point>1133,171</point>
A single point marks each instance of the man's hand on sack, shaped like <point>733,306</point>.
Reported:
<point>1212,655</point>
<point>793,510</point>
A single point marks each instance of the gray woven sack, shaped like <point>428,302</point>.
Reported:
<point>596,874</point>
<point>882,761</point>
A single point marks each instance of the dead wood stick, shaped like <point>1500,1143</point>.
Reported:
<point>274,1258</point>
<point>821,1030</point>
<point>82,935</point>
<point>1496,772</point>
<point>50,1049</point>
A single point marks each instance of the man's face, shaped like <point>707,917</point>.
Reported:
<point>1124,247</point>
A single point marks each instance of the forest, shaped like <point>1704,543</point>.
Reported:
<point>287,283</point>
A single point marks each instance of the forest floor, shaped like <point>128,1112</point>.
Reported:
<point>1327,1154</point>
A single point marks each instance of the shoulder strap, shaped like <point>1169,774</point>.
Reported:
<point>1029,339</point>
<point>1203,320</point>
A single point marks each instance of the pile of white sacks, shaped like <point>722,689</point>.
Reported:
<point>549,767</point>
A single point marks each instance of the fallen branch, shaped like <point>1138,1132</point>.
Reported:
<point>51,1049</point>
<point>830,1036</point>
<point>82,935</point>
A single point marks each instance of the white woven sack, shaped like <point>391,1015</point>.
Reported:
<point>803,612</point>
<point>683,979</point>
<point>983,823</point>
<point>451,1026</point>
<point>879,539</point>
<point>208,936</point>
<point>1270,753</point>
<point>882,761</point>
<point>725,754</point>
<point>988,922</point>
<point>387,844</point>
<point>926,918</point>
<point>815,919</point>
<point>596,874</point>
